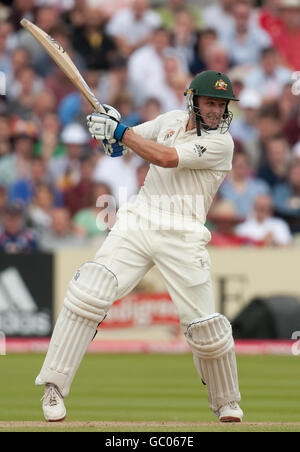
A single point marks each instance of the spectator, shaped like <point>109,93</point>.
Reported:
<point>184,36</point>
<point>74,17</point>
<point>24,189</point>
<point>65,170</point>
<point>268,17</point>
<point>15,238</point>
<point>170,10</point>
<point>5,60</point>
<point>40,209</point>
<point>80,196</point>
<point>125,105</point>
<point>144,77</point>
<point>171,92</point>
<point>237,76</point>
<point>74,106</point>
<point>89,219</point>
<point>3,201</point>
<point>92,42</point>
<point>288,106</point>
<point>274,170</point>
<point>22,9</point>
<point>292,127</point>
<point>287,39</point>
<point>287,198</point>
<point>218,15</point>
<point>224,219</point>
<point>27,88</point>
<point>49,144</point>
<point>17,165</point>
<point>113,82</point>
<point>44,103</point>
<point>62,233</point>
<point>20,59</point>
<point>245,40</point>
<point>55,79</point>
<point>244,129</point>
<point>5,136</point>
<point>262,226</point>
<point>269,77</point>
<point>269,124</point>
<point>205,38</point>
<point>131,27</point>
<point>216,58</point>
<point>150,109</point>
<point>27,84</point>
<point>46,18</point>
<point>240,188</point>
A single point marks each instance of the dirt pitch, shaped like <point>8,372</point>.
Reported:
<point>78,426</point>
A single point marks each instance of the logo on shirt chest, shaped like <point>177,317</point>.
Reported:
<point>198,149</point>
<point>169,134</point>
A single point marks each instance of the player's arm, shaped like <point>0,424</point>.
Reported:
<point>153,152</point>
<point>109,130</point>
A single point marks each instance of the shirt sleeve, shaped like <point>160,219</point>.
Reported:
<point>212,152</point>
<point>149,129</point>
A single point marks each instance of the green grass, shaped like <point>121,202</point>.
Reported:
<point>151,389</point>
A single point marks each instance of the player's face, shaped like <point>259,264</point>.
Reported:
<point>212,110</point>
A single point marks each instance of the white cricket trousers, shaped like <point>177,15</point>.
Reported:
<point>133,246</point>
<point>175,246</point>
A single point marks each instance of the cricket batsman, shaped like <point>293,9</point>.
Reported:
<point>190,153</point>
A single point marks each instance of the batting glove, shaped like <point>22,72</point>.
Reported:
<point>114,148</point>
<point>106,126</point>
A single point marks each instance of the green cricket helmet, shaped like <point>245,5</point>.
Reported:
<point>210,84</point>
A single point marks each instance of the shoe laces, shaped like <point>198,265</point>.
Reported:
<point>51,395</point>
<point>233,404</point>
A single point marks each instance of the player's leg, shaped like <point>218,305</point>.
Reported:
<point>209,335</point>
<point>211,342</point>
<point>118,266</point>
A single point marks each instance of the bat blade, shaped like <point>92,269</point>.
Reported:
<point>63,61</point>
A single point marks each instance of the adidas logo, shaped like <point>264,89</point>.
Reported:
<point>19,313</point>
<point>199,149</point>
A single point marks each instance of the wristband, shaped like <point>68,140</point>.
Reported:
<point>119,132</point>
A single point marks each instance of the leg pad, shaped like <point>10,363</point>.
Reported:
<point>90,294</point>
<point>212,345</point>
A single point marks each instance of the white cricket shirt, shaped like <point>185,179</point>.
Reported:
<point>204,162</point>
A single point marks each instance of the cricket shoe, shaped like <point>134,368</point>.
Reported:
<point>53,404</point>
<point>231,412</point>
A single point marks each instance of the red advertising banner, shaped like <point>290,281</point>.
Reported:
<point>142,309</point>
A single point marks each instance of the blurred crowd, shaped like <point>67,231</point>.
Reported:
<point>140,56</point>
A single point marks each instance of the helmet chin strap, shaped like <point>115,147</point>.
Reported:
<point>198,125</point>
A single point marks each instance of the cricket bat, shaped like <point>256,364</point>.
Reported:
<point>62,59</point>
